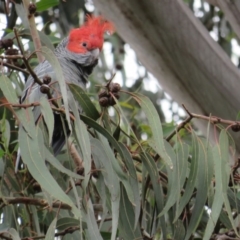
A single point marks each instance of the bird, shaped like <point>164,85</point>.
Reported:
<point>77,54</point>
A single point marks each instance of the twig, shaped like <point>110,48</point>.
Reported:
<point>14,67</point>
<point>32,201</point>
<point>75,155</point>
<point>179,127</point>
<point>33,74</point>
<point>211,119</point>
<point>12,57</point>
<point>33,30</point>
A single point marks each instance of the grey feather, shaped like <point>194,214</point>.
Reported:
<point>76,68</point>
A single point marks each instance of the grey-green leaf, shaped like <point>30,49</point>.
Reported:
<point>35,161</point>
<point>155,125</point>
<point>85,102</point>
<point>50,235</point>
<point>52,59</point>
<point>48,116</point>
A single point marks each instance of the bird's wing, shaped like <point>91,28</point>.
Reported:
<point>31,92</point>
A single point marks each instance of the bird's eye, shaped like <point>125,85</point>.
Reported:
<point>84,44</point>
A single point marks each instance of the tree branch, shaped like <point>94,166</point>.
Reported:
<point>33,30</point>
<point>33,74</point>
<point>13,67</point>
<point>31,201</point>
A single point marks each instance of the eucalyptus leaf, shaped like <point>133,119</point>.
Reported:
<point>32,157</point>
<point>50,235</point>
<point>48,116</point>
<point>52,59</point>
<point>81,96</point>
<point>155,125</point>
<point>43,5</point>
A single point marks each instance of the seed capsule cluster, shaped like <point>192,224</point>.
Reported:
<point>105,96</point>
<point>6,43</point>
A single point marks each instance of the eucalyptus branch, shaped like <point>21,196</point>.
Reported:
<point>31,201</point>
<point>33,74</point>
<point>14,67</point>
<point>32,27</point>
<point>211,119</point>
<point>12,57</point>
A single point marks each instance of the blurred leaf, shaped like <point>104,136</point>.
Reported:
<point>179,230</point>
<point>132,178</point>
<point>173,180</point>
<point>5,132</point>
<point>52,59</point>
<point>218,200</point>
<point>45,40</point>
<point>204,177</point>
<point>80,95</point>
<point>225,173</point>
<point>105,162</point>
<point>50,235</point>
<point>48,116</point>
<point>127,230</point>
<point>35,161</point>
<point>182,154</point>
<point>8,89</point>
<point>92,229</point>
<point>238,116</point>
<point>83,140</point>
<point>88,121</point>
<point>192,176</point>
<point>21,12</point>
<point>67,222</point>
<point>55,162</point>
<point>155,124</point>
<point>151,167</point>
<point>43,5</point>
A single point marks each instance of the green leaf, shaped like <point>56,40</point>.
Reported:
<point>67,222</point>
<point>182,154</point>
<point>35,161</point>
<point>90,122</point>
<point>52,59</point>
<point>92,227</point>
<point>155,125</point>
<point>151,167</point>
<point>55,163</point>
<point>179,230</point>
<point>5,131</point>
<point>223,149</point>
<point>218,200</point>
<point>191,178</point>
<point>43,38</point>
<point>132,178</point>
<point>204,177</point>
<point>50,235</point>
<point>48,116</point>
<point>173,180</point>
<point>83,141</point>
<point>85,102</point>
<point>43,5</point>
<point>127,229</point>
<point>104,161</point>
<point>8,89</point>
<point>14,234</point>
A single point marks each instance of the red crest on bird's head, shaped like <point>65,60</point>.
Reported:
<point>89,36</point>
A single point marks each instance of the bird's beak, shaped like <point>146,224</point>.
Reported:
<point>95,53</point>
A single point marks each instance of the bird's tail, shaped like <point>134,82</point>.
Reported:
<point>60,134</point>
